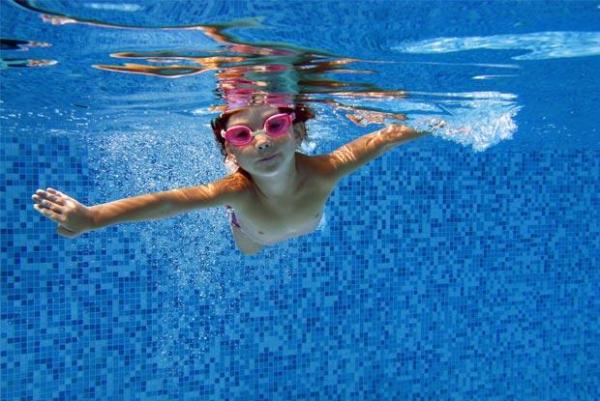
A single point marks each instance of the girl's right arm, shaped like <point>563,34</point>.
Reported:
<point>351,156</point>
<point>74,218</point>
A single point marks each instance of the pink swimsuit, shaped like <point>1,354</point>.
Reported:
<point>234,222</point>
<point>232,219</point>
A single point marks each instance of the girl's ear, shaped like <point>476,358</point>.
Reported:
<point>299,132</point>
<point>227,147</point>
<point>228,151</point>
<point>230,155</point>
<point>231,163</point>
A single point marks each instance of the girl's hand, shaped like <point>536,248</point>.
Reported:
<point>72,217</point>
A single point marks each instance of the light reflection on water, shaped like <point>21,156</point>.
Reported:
<point>246,71</point>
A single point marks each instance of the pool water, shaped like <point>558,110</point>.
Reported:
<point>463,265</point>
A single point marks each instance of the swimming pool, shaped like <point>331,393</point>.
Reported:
<point>460,266</point>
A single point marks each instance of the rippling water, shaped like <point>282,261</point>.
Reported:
<point>106,66</point>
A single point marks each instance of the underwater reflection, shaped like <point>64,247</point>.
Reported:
<point>21,46</point>
<point>247,73</point>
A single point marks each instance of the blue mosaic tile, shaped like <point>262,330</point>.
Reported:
<point>440,274</point>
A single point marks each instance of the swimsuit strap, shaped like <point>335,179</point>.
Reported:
<point>232,218</point>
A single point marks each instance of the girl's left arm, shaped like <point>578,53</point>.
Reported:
<point>353,155</point>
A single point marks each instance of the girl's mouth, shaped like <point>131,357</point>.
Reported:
<point>269,158</point>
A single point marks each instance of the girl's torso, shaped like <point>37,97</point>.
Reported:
<point>268,221</point>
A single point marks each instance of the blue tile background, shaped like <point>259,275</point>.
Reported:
<point>440,274</point>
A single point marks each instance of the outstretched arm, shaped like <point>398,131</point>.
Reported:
<point>353,155</point>
<point>74,218</point>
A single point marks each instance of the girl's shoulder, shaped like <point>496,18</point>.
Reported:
<point>319,168</point>
<point>239,188</point>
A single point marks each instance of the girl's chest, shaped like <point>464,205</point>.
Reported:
<point>273,222</point>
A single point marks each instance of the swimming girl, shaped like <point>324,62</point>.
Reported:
<point>273,192</point>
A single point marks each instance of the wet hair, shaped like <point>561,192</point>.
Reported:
<point>303,113</point>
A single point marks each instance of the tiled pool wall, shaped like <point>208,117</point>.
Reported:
<point>440,274</point>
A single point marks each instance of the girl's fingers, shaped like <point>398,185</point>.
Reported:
<point>49,201</point>
<point>43,210</point>
<point>42,194</point>
<point>50,206</point>
<point>41,200</point>
<point>55,192</point>
<point>48,213</point>
<point>55,198</point>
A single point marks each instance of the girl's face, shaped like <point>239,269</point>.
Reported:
<point>265,155</point>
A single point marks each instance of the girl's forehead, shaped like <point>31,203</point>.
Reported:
<point>251,114</point>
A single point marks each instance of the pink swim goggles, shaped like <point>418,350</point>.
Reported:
<point>275,126</point>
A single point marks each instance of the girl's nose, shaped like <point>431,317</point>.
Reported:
<point>263,141</point>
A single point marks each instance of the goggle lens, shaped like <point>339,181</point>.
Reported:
<point>239,135</point>
<point>278,124</point>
